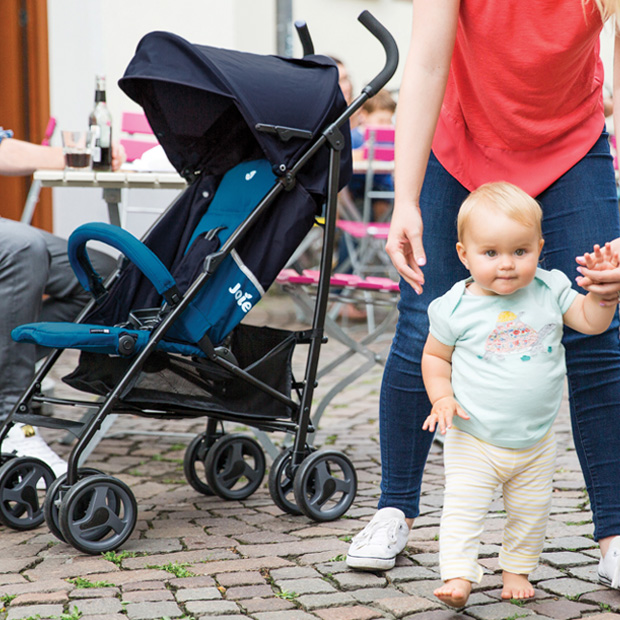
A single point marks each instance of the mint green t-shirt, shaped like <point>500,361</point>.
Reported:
<point>508,362</point>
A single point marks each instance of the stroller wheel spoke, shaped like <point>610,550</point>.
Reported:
<point>21,498</point>
<point>235,466</point>
<point>325,485</point>
<point>97,514</point>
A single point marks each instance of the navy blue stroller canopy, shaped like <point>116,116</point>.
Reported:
<point>212,108</point>
<point>244,130</point>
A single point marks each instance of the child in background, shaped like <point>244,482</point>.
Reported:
<point>493,366</point>
<point>376,111</point>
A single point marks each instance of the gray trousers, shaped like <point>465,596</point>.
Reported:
<point>34,264</point>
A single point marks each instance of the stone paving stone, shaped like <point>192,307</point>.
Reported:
<point>353,580</point>
<point>153,611</point>
<point>607,598</point>
<point>305,585</point>
<point>40,598</point>
<point>291,614</point>
<point>314,601</point>
<point>439,614</point>
<point>98,606</point>
<point>369,595</point>
<point>203,581</point>
<point>568,587</point>
<point>410,573</point>
<point>254,605</point>
<point>570,543</point>
<point>585,573</point>
<point>144,596</point>
<point>564,559</point>
<point>94,593</point>
<point>250,591</point>
<point>497,611</point>
<point>32,611</point>
<point>211,607</point>
<point>561,609</point>
<point>229,580</point>
<point>403,606</point>
<point>357,612</point>
<point>145,585</point>
<point>293,572</point>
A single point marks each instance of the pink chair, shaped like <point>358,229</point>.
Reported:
<point>133,123</point>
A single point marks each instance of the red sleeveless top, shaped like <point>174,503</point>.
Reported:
<point>524,97</point>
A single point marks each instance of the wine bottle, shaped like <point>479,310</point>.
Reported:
<point>100,122</point>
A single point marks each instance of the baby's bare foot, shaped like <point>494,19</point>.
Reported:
<point>516,586</point>
<point>454,592</point>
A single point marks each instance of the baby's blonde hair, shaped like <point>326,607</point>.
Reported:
<point>505,198</point>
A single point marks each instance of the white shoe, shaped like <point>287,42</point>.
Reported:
<point>25,440</point>
<point>609,566</point>
<point>378,544</point>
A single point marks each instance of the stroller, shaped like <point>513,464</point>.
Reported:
<point>264,144</point>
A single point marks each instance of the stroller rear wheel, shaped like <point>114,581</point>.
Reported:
<point>98,514</point>
<point>281,480</point>
<point>20,500</point>
<point>235,466</point>
<point>195,455</point>
<point>52,502</point>
<point>325,485</point>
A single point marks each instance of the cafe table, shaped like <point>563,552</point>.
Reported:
<point>111,184</point>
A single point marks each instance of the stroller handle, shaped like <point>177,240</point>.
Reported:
<point>304,37</point>
<point>378,30</point>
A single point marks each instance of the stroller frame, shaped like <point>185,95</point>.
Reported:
<point>75,502</point>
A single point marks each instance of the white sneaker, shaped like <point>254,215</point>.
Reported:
<point>378,544</point>
<point>609,566</point>
<point>25,440</point>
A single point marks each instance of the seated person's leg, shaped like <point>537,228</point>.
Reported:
<point>24,269</point>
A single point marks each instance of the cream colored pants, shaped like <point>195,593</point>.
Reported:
<point>474,469</point>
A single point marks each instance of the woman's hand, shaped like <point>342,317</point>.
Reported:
<point>600,271</point>
<point>404,244</point>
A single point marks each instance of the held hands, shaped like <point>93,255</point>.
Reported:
<point>404,244</point>
<point>600,272</point>
<point>442,413</point>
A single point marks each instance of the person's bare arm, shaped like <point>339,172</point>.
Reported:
<point>420,98</point>
<point>19,158</point>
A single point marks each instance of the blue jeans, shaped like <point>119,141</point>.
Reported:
<point>579,210</point>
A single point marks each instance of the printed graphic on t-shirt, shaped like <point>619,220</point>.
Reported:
<point>512,336</point>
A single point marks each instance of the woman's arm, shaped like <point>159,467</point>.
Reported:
<point>421,94</point>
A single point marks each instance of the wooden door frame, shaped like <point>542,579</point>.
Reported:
<point>25,99</point>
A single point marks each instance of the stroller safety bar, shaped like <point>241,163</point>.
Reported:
<point>132,248</point>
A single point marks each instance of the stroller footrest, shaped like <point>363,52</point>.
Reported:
<point>35,419</point>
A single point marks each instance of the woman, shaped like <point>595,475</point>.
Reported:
<point>495,91</point>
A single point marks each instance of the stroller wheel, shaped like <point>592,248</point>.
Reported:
<point>194,463</point>
<point>97,514</point>
<point>52,501</point>
<point>281,482</point>
<point>235,466</point>
<point>325,485</point>
<point>20,500</point>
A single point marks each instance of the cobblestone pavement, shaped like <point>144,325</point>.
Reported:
<point>198,557</point>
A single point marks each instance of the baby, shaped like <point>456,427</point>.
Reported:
<point>493,367</point>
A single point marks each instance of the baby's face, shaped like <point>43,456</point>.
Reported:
<point>500,253</point>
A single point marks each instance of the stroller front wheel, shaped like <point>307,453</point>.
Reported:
<point>281,482</point>
<point>325,485</point>
<point>235,466</point>
<point>20,498</point>
<point>52,501</point>
<point>97,514</point>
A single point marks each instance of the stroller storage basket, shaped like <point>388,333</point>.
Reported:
<point>173,382</point>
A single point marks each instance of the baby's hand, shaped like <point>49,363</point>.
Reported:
<point>442,413</point>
